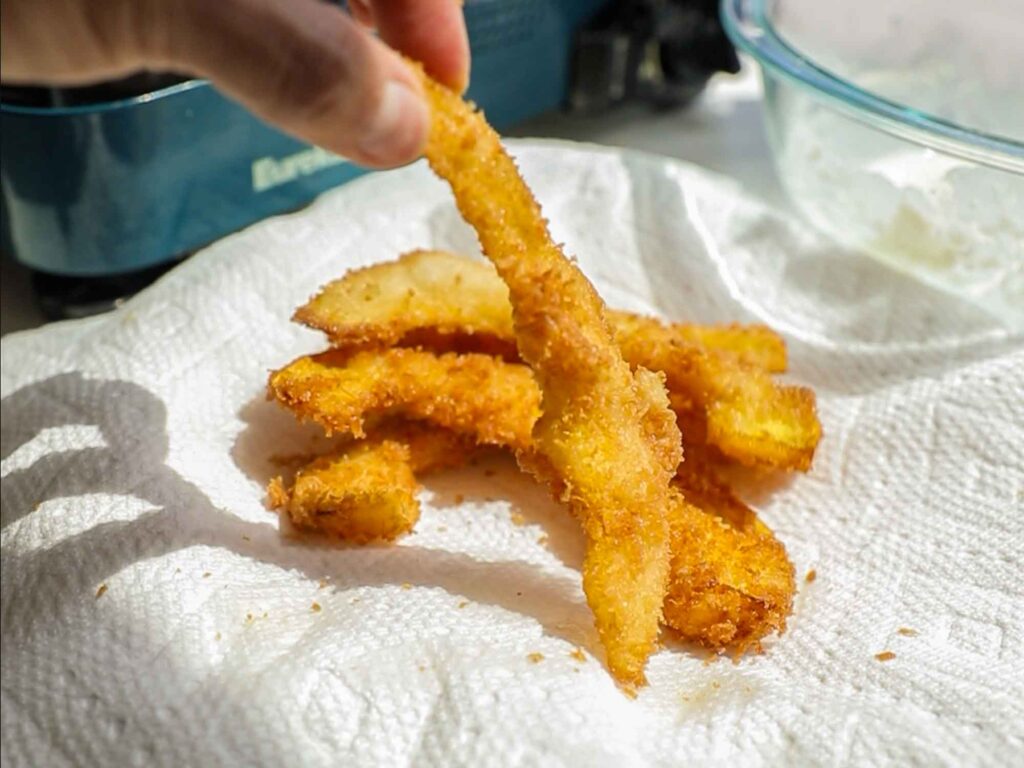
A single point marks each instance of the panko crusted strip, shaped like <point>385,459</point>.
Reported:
<point>588,443</point>
<point>437,295</point>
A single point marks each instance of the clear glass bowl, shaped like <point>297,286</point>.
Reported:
<point>898,129</point>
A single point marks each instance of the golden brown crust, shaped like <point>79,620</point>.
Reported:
<point>495,401</point>
<point>756,345</point>
<point>383,303</point>
<point>589,430</point>
<point>366,490</point>
<point>749,417</point>
<point>729,587</point>
<point>730,581</point>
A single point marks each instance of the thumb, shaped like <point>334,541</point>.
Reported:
<point>303,65</point>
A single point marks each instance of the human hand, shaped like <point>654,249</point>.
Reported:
<point>304,65</point>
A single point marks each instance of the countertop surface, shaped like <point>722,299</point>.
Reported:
<point>722,131</point>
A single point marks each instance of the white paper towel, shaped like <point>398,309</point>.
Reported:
<point>135,447</point>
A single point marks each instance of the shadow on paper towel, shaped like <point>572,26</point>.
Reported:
<point>132,462</point>
<point>273,443</point>
<point>295,445</point>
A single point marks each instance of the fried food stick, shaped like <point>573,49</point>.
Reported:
<point>729,586</point>
<point>478,395</point>
<point>711,598</point>
<point>749,417</point>
<point>430,296</point>
<point>385,303</point>
<point>588,443</point>
<point>366,490</point>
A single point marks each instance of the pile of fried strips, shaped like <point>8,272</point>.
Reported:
<point>632,423</point>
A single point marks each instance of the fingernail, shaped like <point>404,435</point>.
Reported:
<point>398,131</point>
<point>463,83</point>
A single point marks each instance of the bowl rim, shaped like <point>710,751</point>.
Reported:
<point>748,26</point>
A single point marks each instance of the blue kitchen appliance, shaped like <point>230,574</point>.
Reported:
<point>104,188</point>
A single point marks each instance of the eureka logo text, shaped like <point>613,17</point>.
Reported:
<point>268,172</point>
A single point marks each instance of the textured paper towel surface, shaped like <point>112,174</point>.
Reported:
<point>135,447</point>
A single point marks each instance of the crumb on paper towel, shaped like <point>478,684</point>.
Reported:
<point>459,498</point>
<point>811,576</point>
<point>322,584</point>
<point>315,607</point>
<point>535,657</point>
<point>463,603</point>
<point>217,637</point>
<point>885,656</point>
<point>542,539</point>
<point>906,632</point>
<point>578,654</point>
<point>102,590</point>
<point>207,575</point>
<point>518,519</point>
<point>406,585</point>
